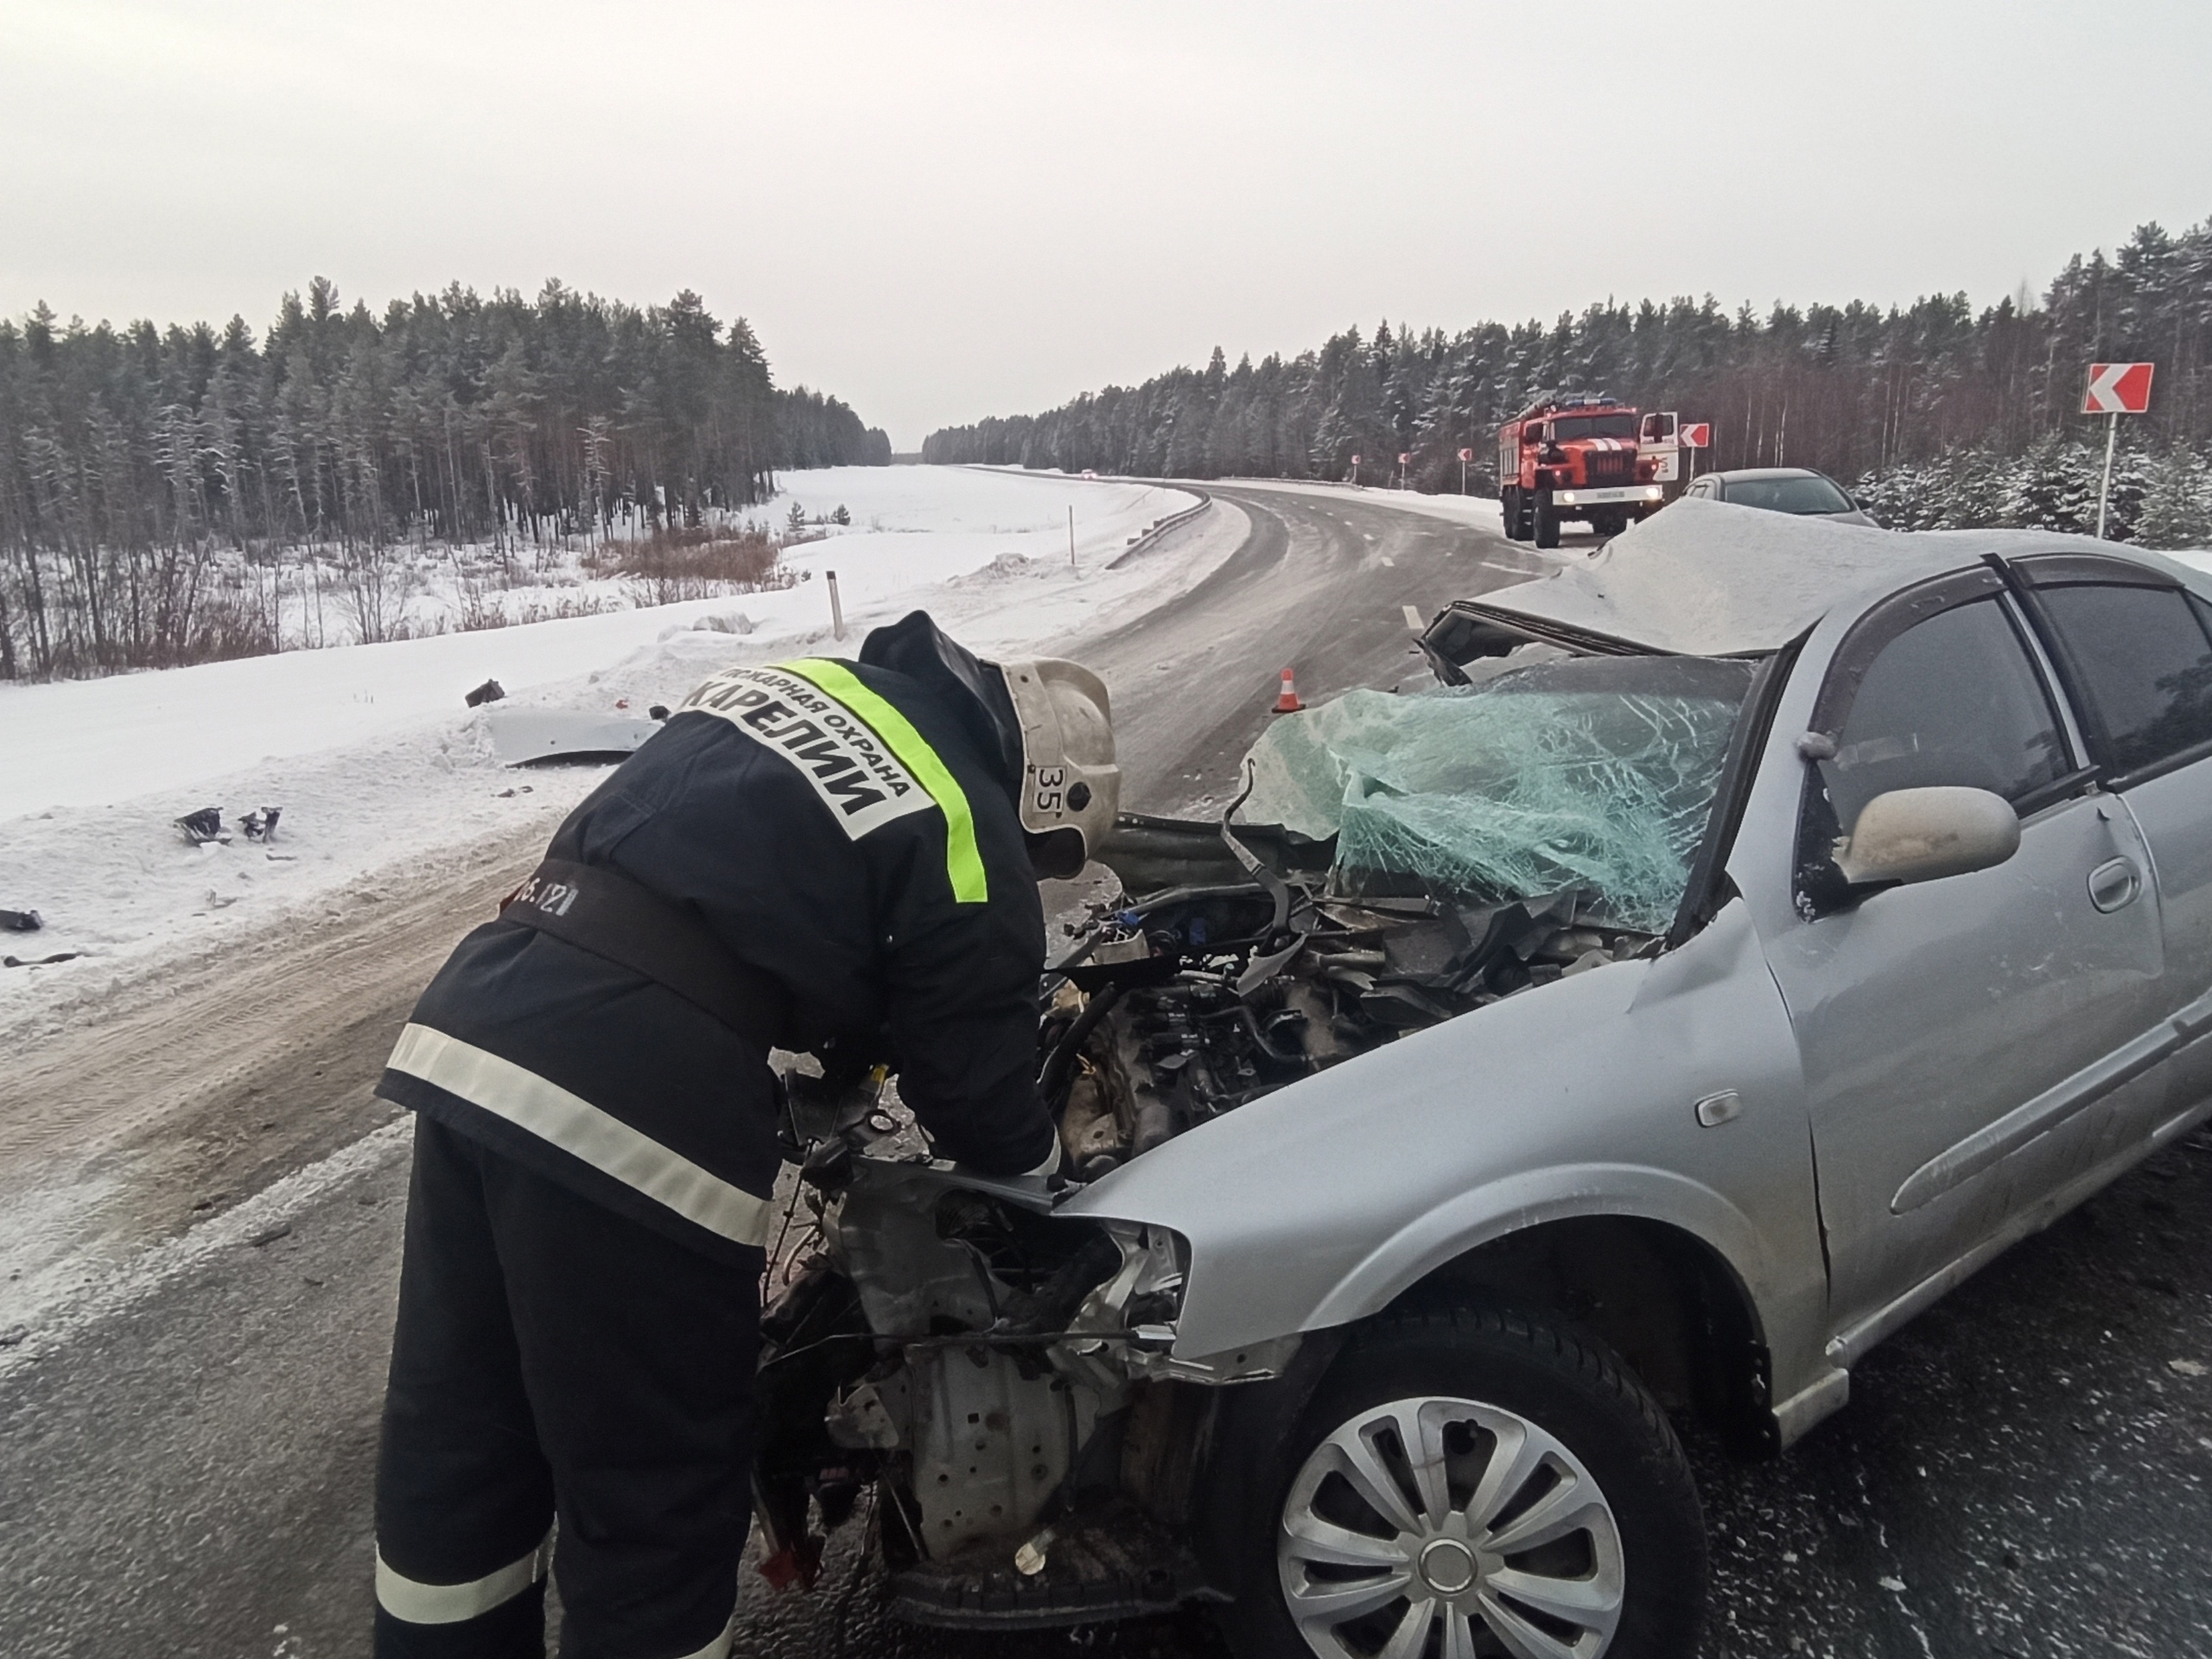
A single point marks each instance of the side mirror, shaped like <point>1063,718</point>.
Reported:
<point>1923,835</point>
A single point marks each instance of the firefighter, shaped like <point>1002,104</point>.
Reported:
<point>838,857</point>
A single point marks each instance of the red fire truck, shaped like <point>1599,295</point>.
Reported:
<point>1575,457</point>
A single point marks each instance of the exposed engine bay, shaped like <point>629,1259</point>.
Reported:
<point>995,1384</point>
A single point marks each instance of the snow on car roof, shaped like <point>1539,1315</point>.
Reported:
<point>1706,579</point>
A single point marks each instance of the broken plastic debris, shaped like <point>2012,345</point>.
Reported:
<point>1593,772</point>
<point>260,824</point>
<point>522,736</point>
<point>490,691</point>
<point>39,962</point>
<point>1029,1559</point>
<point>202,827</point>
<point>21,921</point>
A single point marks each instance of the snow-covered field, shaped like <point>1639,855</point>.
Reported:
<point>375,761</point>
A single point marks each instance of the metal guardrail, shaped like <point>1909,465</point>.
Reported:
<point>1161,527</point>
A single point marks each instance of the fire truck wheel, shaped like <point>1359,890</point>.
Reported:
<point>1509,502</point>
<point>1547,520</point>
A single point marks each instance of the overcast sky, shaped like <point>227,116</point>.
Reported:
<point>940,210</point>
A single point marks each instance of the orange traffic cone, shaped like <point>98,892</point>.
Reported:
<point>1286,702</point>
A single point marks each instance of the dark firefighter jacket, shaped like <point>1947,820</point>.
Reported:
<point>839,830</point>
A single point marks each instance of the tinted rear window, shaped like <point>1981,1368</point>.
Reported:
<point>2147,662</point>
<point>1787,494</point>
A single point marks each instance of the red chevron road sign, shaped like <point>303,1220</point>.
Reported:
<point>2118,389</point>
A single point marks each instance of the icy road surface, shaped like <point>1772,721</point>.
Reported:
<point>186,1436</point>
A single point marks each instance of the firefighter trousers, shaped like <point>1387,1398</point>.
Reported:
<point>553,1357</point>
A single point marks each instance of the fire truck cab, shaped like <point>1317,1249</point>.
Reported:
<point>1574,457</point>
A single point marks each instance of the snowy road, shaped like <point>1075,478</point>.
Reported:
<point>186,1470</point>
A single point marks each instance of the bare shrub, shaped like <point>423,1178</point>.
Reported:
<point>698,562</point>
<point>230,621</point>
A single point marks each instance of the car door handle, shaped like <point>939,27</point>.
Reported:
<point>2114,885</point>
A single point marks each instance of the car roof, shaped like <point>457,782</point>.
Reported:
<point>1705,579</point>
<point>1768,472</point>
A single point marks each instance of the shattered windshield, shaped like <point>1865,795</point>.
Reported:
<point>1594,774</point>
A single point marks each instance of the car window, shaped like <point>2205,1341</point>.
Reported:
<point>1953,700</point>
<point>2145,664</point>
<point>1593,426</point>
<point>1790,495</point>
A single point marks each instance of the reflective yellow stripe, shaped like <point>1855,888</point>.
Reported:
<point>574,1125</point>
<point>963,861</point>
<point>416,1603</point>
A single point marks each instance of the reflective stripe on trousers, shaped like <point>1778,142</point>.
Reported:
<point>583,1130</point>
<point>454,1604</point>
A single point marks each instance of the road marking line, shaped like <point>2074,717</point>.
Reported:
<point>78,1308</point>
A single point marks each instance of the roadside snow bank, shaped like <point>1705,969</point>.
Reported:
<point>80,742</point>
<point>373,759</point>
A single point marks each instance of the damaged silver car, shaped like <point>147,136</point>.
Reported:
<point>1757,929</point>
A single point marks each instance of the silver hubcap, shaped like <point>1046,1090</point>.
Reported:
<point>1453,1517</point>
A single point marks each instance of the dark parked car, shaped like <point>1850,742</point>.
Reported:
<point>1781,489</point>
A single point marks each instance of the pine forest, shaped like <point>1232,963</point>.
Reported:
<point>1935,415</point>
<point>174,495</point>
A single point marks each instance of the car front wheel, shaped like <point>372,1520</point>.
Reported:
<point>1475,1482</point>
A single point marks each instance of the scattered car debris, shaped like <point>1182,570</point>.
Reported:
<point>522,737</point>
<point>490,691</point>
<point>204,826</point>
<point>260,824</point>
<point>14,1335</point>
<point>658,711</point>
<point>271,1234</point>
<point>21,921</point>
<point>39,962</point>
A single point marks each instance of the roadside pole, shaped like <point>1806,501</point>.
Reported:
<point>2104,489</point>
<point>1466,455</point>
<point>1692,436</point>
<point>1071,537</point>
<point>2114,389</point>
<point>836,610</point>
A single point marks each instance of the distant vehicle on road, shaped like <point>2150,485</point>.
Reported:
<point>1797,490</point>
<point>1574,457</point>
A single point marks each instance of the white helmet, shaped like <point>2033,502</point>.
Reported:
<point>1070,787</point>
